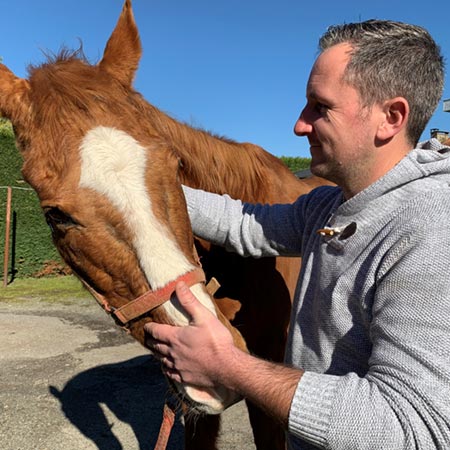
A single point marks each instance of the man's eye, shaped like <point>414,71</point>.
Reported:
<point>57,218</point>
<point>321,108</point>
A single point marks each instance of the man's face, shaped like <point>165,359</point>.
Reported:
<point>341,133</point>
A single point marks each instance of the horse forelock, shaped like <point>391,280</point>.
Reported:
<point>68,87</point>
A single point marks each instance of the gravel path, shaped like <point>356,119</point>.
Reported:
<point>71,380</point>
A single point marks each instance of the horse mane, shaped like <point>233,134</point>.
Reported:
<point>67,90</point>
<point>219,164</point>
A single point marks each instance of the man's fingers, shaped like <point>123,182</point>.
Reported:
<point>173,375</point>
<point>168,363</point>
<point>157,338</point>
<point>158,349</point>
<point>169,369</point>
<point>158,332</point>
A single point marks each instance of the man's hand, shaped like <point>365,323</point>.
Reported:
<point>203,354</point>
<point>194,354</point>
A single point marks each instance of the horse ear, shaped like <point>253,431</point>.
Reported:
<point>14,99</point>
<point>123,50</point>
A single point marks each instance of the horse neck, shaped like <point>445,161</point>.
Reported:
<point>215,164</point>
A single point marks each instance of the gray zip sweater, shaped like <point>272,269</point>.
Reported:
<point>371,316</point>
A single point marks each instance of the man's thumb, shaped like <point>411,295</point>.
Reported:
<point>187,299</point>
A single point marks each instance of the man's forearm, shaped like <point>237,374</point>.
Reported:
<point>268,385</point>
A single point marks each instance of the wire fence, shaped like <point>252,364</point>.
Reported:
<point>17,188</point>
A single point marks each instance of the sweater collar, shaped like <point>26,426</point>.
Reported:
<point>418,163</point>
<point>354,215</point>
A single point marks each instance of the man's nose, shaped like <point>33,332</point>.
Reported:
<point>302,127</point>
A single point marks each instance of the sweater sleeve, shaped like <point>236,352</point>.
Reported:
<point>247,229</point>
<point>403,400</point>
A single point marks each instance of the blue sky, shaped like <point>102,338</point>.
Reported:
<point>236,68</point>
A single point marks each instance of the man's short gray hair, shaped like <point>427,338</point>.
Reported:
<point>391,59</point>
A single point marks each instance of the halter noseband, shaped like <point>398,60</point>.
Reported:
<point>152,299</point>
<point>148,301</point>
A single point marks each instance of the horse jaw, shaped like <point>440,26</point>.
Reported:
<point>114,165</point>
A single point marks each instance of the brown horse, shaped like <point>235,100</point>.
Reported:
<point>108,166</point>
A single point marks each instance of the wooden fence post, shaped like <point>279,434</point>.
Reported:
<point>7,231</point>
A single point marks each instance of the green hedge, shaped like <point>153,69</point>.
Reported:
<point>296,163</point>
<point>33,250</point>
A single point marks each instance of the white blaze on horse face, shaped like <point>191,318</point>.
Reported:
<point>114,165</point>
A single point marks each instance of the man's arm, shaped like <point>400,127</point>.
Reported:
<point>254,230</point>
<point>203,354</point>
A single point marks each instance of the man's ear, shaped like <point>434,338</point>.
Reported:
<point>395,117</point>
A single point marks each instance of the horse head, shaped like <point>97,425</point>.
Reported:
<point>108,185</point>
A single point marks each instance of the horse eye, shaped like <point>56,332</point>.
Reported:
<point>58,219</point>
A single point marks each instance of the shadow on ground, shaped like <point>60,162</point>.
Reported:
<point>134,391</point>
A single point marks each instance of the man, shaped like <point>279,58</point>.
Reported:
<point>368,354</point>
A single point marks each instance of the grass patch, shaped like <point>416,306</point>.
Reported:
<point>49,289</point>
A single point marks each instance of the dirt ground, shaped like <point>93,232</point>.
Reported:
<point>71,380</point>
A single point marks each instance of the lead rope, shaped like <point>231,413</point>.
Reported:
<point>166,426</point>
<point>169,412</point>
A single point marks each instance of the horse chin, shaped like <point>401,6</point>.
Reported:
<point>208,400</point>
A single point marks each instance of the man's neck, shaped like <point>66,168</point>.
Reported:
<point>383,162</point>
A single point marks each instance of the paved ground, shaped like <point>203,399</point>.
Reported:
<point>71,380</point>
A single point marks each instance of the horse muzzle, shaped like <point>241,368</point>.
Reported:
<point>207,400</point>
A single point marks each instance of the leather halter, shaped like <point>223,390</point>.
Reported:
<point>152,299</point>
<point>148,301</point>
